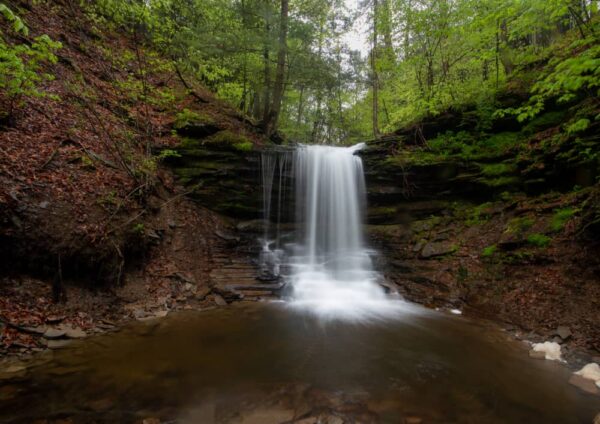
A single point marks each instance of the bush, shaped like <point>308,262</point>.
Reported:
<point>21,64</point>
<point>560,218</point>
<point>489,251</point>
<point>539,240</point>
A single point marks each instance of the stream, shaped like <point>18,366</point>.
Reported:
<point>269,363</point>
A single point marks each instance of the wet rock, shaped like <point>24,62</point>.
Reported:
<point>551,350</point>
<point>267,416</point>
<point>202,292</point>
<point>226,236</point>
<point>419,246</point>
<point>75,333</point>
<point>54,333</point>
<point>58,344</point>
<point>40,330</point>
<point>584,384</point>
<point>255,226</point>
<point>563,332</point>
<point>308,420</point>
<point>590,371</point>
<point>432,250</point>
<point>537,355</point>
<point>219,300</point>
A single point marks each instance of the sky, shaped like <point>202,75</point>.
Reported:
<point>357,39</point>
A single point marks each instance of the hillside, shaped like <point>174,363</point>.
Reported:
<point>85,202</point>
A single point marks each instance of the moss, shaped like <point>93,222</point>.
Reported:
<point>560,218</point>
<point>519,225</point>
<point>479,214</point>
<point>489,251</point>
<point>228,138</point>
<point>503,181</point>
<point>542,122</point>
<point>539,240</point>
<point>188,117</point>
<point>497,169</point>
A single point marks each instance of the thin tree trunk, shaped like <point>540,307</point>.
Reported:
<point>275,109</point>
<point>374,75</point>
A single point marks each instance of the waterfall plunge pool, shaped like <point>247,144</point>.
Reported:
<point>265,363</point>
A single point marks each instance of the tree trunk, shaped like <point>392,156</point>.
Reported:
<point>272,117</point>
<point>374,76</point>
<point>267,70</point>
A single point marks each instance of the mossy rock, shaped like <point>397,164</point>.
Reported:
<point>545,121</point>
<point>229,140</point>
<point>194,124</point>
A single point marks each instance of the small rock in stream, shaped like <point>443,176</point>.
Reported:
<point>219,300</point>
<point>58,344</point>
<point>584,384</point>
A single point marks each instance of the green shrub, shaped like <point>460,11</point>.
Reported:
<point>489,251</point>
<point>539,240</point>
<point>560,218</point>
<point>21,65</point>
<point>237,141</point>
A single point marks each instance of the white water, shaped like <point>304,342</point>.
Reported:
<point>332,272</point>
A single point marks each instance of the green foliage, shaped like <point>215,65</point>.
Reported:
<point>468,146</point>
<point>21,65</point>
<point>538,240</point>
<point>497,169</point>
<point>489,251</point>
<point>479,214</point>
<point>228,138</point>
<point>578,126</point>
<point>188,117</point>
<point>519,225</point>
<point>561,217</point>
<point>138,228</point>
<point>168,153</point>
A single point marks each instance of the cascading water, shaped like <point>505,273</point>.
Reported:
<point>332,273</point>
<point>330,269</point>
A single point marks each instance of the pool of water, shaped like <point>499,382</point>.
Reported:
<point>266,363</point>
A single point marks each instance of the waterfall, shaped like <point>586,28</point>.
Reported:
<point>330,268</point>
<point>331,271</point>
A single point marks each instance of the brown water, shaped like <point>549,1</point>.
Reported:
<point>266,364</point>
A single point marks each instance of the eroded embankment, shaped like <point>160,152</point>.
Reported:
<point>502,224</point>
